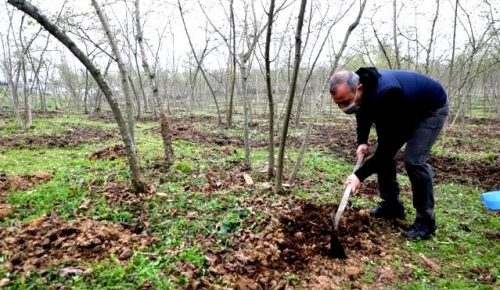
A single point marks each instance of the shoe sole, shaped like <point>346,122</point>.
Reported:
<point>420,238</point>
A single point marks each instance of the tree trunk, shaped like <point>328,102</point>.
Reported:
<point>86,94</point>
<point>232,72</point>
<point>134,91</point>
<point>291,94</point>
<point>219,118</point>
<point>246,128</point>
<point>431,39</point>
<point>270,168</point>
<point>395,33</point>
<point>129,104</point>
<point>165,129</point>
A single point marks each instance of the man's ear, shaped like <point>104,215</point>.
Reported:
<point>360,88</point>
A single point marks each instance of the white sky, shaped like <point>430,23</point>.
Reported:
<point>175,49</point>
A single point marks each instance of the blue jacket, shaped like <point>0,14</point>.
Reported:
<point>393,100</point>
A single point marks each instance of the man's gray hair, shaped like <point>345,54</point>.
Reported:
<point>351,79</point>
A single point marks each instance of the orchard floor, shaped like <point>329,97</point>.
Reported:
<point>68,219</point>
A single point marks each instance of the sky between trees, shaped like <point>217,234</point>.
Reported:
<point>167,40</point>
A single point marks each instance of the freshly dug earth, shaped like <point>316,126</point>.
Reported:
<point>109,153</point>
<point>341,141</point>
<point>186,131</point>
<point>70,138</point>
<point>297,245</point>
<point>484,174</point>
<point>15,182</point>
<point>118,193</point>
<point>50,240</point>
<point>109,118</point>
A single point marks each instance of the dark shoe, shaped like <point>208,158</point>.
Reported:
<point>422,231</point>
<point>389,211</point>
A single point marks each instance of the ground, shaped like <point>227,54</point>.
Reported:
<point>68,220</point>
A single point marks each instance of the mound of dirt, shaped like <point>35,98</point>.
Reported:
<point>69,138</point>
<point>50,240</point>
<point>25,182</point>
<point>298,244</point>
<point>185,131</point>
<point>47,114</point>
<point>118,193</point>
<point>109,153</point>
<point>484,174</point>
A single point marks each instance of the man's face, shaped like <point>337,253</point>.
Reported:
<point>343,97</point>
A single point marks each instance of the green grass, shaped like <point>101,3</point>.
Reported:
<point>182,215</point>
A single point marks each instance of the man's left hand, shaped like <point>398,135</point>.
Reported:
<point>353,180</point>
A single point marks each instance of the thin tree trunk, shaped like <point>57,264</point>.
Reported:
<point>395,33</point>
<point>291,94</point>
<point>165,130</point>
<point>347,35</point>
<point>246,128</point>
<point>453,46</point>
<point>270,168</point>
<point>86,93</point>
<point>136,95</point>
<point>431,39</point>
<point>129,104</point>
<point>232,52</point>
<point>27,116</point>
<point>305,141</point>
<point>219,119</point>
<point>302,152</point>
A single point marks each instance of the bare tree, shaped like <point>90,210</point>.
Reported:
<point>267,60</point>
<point>133,162</point>
<point>164,123</point>
<point>305,140</point>
<point>291,94</point>
<point>347,35</point>
<point>395,33</point>
<point>453,46</point>
<point>198,63</point>
<point>431,39</point>
<point>129,105</point>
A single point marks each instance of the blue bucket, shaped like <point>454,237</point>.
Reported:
<point>492,200</point>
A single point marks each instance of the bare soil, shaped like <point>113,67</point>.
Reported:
<point>70,138</point>
<point>297,243</point>
<point>50,240</point>
<point>109,153</point>
<point>118,193</point>
<point>24,182</point>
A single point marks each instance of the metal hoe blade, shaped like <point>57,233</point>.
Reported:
<point>336,249</point>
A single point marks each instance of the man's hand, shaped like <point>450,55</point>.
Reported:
<point>353,180</point>
<point>363,150</point>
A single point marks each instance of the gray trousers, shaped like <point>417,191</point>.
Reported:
<point>418,146</point>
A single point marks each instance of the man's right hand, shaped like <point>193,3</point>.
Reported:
<point>363,150</point>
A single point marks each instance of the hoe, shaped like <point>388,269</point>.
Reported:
<point>336,249</point>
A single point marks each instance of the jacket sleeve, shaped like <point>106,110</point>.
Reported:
<point>363,125</point>
<point>390,132</point>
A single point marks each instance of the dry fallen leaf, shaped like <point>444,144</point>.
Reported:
<point>248,178</point>
<point>43,175</point>
<point>5,211</point>
<point>433,266</point>
<point>162,194</point>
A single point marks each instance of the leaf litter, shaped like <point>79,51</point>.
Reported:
<point>70,138</point>
<point>294,242</point>
<point>10,183</point>
<point>51,241</point>
<point>109,153</point>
